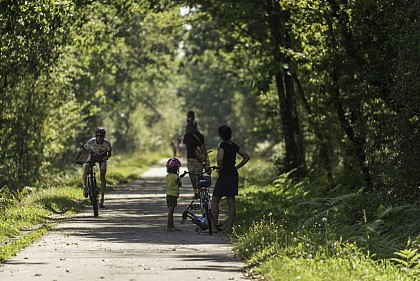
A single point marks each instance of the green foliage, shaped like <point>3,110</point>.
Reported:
<point>34,32</point>
<point>348,106</point>
<point>285,231</point>
<point>258,171</point>
<point>262,244</point>
<point>127,168</point>
<point>348,267</point>
<point>408,260</point>
<point>27,213</point>
<point>31,208</point>
<point>280,255</point>
<point>9,249</point>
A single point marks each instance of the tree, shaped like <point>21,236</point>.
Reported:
<point>268,24</point>
<point>32,35</point>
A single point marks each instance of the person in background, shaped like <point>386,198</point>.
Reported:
<point>192,139</point>
<point>227,182</point>
<point>100,150</point>
<point>175,141</point>
<point>173,183</point>
<point>190,123</point>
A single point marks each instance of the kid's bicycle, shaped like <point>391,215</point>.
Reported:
<point>91,183</point>
<point>204,221</point>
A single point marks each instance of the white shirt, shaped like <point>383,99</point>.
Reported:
<point>98,148</point>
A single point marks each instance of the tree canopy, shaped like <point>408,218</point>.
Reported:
<point>322,87</point>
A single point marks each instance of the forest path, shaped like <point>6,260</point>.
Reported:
<point>128,241</point>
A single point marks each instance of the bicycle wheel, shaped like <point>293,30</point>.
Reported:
<point>94,196</point>
<point>209,218</point>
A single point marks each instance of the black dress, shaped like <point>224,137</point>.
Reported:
<point>227,183</point>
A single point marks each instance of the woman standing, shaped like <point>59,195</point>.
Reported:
<point>227,183</point>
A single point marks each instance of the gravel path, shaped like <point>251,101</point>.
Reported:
<point>128,241</point>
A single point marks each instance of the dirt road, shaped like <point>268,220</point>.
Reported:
<point>128,241</point>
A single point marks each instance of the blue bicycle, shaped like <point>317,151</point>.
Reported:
<point>204,221</point>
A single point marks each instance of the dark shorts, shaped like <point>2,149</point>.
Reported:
<point>171,200</point>
<point>227,186</point>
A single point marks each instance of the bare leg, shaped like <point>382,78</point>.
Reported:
<point>215,206</point>
<point>103,183</point>
<point>231,212</point>
<point>193,180</point>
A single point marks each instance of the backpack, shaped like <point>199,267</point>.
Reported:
<point>201,153</point>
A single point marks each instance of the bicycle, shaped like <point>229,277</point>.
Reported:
<point>93,191</point>
<point>205,222</point>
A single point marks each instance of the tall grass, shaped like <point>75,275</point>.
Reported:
<point>289,230</point>
<point>28,216</point>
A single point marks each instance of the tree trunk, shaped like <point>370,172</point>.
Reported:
<point>358,141</point>
<point>294,154</point>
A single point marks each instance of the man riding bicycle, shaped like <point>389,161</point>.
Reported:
<point>99,151</point>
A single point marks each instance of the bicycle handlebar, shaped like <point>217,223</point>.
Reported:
<point>96,157</point>
<point>199,173</point>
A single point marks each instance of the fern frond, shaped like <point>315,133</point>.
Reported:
<point>311,204</point>
<point>337,200</point>
<point>395,210</point>
<point>400,261</point>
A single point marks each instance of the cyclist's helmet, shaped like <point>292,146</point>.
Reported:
<point>173,163</point>
<point>100,131</point>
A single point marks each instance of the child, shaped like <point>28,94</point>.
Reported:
<point>173,183</point>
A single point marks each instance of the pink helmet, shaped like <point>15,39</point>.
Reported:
<point>173,163</point>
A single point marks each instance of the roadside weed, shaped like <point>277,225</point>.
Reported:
<point>291,230</point>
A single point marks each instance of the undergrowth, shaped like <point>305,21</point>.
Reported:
<point>301,230</point>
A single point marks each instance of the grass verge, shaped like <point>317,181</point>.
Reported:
<point>285,231</point>
<point>11,247</point>
<point>28,214</point>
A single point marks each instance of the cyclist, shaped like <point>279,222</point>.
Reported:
<point>100,150</point>
<point>227,182</point>
<point>192,139</point>
<point>173,183</point>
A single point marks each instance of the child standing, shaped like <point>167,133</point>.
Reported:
<point>173,183</point>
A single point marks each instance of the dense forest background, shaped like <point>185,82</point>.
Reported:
<point>326,88</point>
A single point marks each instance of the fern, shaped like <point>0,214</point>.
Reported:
<point>340,199</point>
<point>397,211</point>
<point>328,204</point>
<point>409,258</point>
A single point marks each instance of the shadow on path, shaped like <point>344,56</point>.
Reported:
<point>128,241</point>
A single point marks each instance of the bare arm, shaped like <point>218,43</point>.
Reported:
<point>219,157</point>
<point>245,158</point>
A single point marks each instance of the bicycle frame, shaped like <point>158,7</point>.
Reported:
<point>92,186</point>
<point>205,222</point>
